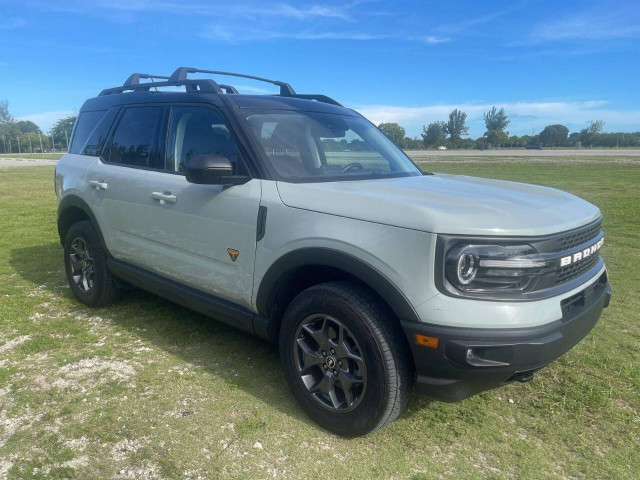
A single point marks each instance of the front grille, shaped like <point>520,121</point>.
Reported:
<point>564,274</point>
<point>575,238</point>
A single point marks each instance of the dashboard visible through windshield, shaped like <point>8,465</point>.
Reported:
<point>312,146</point>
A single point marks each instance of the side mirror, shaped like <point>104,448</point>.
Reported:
<point>212,170</point>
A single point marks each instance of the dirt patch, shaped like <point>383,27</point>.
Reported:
<point>94,371</point>
<point>11,344</point>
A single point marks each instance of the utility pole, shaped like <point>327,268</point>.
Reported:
<point>10,149</point>
<point>19,152</point>
<point>29,138</point>
<point>66,139</point>
<point>4,145</point>
<point>53,143</point>
<point>40,138</point>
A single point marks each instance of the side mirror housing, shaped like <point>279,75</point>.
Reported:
<point>212,170</point>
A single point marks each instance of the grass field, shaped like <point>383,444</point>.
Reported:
<point>147,389</point>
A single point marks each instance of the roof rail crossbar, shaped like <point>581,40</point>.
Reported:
<point>204,85</point>
<point>181,73</point>
<point>318,98</point>
<point>134,78</point>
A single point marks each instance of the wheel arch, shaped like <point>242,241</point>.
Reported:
<point>74,209</point>
<point>303,268</point>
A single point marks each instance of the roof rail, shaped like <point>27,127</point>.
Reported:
<point>134,78</point>
<point>207,85</point>
<point>318,97</point>
<point>228,88</point>
<point>179,78</point>
<point>181,73</point>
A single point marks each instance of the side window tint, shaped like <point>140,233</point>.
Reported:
<point>134,137</point>
<point>199,131</point>
<point>98,137</point>
<point>85,124</point>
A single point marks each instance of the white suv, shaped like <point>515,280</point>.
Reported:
<point>293,218</point>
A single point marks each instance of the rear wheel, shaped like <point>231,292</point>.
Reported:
<point>345,358</point>
<point>86,266</point>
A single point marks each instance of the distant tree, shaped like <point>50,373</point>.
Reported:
<point>574,138</point>
<point>496,138</point>
<point>27,126</point>
<point>466,143</point>
<point>456,125</point>
<point>62,127</point>
<point>595,126</point>
<point>525,140</point>
<point>434,134</point>
<point>413,143</point>
<point>589,136</point>
<point>554,135</point>
<point>394,132</point>
<point>513,141</point>
<point>9,132</point>
<point>5,116</point>
<point>496,119</point>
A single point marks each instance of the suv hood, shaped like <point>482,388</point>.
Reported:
<point>443,203</point>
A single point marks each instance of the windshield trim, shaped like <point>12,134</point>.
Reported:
<point>317,179</point>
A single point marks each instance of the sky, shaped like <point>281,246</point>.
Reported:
<point>407,61</point>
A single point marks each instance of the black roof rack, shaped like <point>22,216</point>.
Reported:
<point>181,73</point>
<point>134,78</point>
<point>180,78</point>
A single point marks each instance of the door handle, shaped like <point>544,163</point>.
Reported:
<point>98,184</point>
<point>164,197</point>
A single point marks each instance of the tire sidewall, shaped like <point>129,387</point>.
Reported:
<point>365,416</point>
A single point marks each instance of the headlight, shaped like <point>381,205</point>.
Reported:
<point>488,269</point>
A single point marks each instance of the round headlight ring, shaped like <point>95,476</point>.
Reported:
<point>467,268</point>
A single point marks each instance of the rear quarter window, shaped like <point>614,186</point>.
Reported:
<point>85,125</point>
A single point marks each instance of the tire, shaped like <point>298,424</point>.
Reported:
<point>377,385</point>
<point>85,263</point>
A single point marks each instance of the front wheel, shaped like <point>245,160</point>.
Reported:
<point>345,358</point>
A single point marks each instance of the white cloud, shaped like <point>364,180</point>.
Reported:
<point>523,115</point>
<point>12,24</point>
<point>433,39</point>
<point>45,120</point>
<point>244,34</point>
<point>591,25</point>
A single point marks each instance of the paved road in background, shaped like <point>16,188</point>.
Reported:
<point>24,162</point>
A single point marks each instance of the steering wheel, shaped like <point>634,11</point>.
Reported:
<point>352,166</point>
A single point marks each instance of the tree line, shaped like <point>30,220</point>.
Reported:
<point>26,137</point>
<point>450,134</point>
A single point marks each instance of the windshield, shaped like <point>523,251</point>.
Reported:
<point>312,146</point>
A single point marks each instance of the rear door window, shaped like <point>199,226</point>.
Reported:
<point>133,142</point>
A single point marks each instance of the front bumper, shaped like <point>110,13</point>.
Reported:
<point>468,361</point>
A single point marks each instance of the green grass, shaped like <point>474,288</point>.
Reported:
<point>147,389</point>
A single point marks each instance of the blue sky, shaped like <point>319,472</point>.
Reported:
<point>406,61</point>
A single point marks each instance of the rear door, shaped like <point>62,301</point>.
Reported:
<point>121,180</point>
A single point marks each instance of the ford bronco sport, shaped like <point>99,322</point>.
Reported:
<point>294,219</point>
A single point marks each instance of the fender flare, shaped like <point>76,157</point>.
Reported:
<point>339,260</point>
<point>74,201</point>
